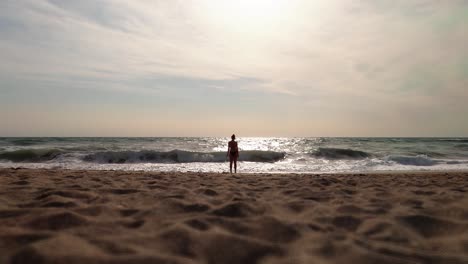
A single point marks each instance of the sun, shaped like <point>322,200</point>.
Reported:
<point>253,9</point>
<point>248,15</point>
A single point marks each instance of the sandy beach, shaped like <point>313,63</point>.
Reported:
<point>65,216</point>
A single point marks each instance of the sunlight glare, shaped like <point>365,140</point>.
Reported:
<point>249,15</point>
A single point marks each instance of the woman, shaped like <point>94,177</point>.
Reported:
<point>233,153</point>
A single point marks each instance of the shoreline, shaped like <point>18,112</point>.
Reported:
<point>50,215</point>
<point>384,172</point>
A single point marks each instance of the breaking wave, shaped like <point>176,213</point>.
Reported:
<point>26,141</point>
<point>413,161</point>
<point>179,156</point>
<point>208,154</point>
<point>30,155</point>
<point>337,153</point>
<point>456,140</point>
<point>461,146</point>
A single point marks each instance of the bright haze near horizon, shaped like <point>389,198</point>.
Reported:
<point>211,68</point>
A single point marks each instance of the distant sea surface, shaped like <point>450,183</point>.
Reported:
<point>208,154</point>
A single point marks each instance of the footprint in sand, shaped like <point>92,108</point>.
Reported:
<point>58,221</point>
<point>134,224</point>
<point>13,213</point>
<point>346,222</point>
<point>237,209</point>
<point>59,249</point>
<point>21,182</point>
<point>209,192</point>
<point>128,212</point>
<point>122,191</point>
<point>197,224</point>
<point>220,248</point>
<point>429,226</point>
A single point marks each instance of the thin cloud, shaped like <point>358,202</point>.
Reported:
<point>358,57</point>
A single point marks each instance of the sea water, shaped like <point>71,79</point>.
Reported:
<point>208,154</point>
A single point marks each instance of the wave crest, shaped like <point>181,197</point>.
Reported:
<point>337,153</point>
<point>179,156</point>
<point>30,155</point>
<point>26,141</point>
<point>413,161</point>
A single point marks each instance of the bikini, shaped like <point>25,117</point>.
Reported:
<point>233,152</point>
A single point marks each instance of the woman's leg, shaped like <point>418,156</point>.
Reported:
<point>235,162</point>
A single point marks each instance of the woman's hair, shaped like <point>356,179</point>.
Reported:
<point>233,137</point>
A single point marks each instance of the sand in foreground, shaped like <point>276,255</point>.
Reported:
<point>65,216</point>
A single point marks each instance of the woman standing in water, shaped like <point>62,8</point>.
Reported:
<point>233,153</point>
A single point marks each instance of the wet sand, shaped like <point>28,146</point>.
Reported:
<point>64,216</point>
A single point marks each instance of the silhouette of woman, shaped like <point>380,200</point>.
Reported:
<point>233,153</point>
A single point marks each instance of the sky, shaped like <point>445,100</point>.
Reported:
<point>217,67</point>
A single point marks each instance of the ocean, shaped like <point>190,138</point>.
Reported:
<point>208,154</point>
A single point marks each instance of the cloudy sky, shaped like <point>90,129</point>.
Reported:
<point>256,68</point>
